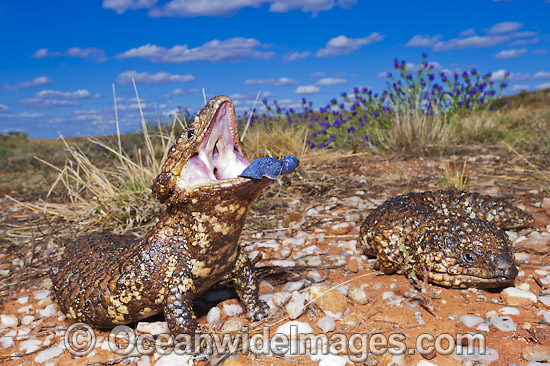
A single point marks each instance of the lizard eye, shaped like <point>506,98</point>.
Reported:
<point>468,257</point>
<point>190,134</point>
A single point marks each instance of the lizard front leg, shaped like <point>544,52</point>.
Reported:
<point>178,302</point>
<point>247,287</point>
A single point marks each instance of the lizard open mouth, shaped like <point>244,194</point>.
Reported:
<point>220,154</point>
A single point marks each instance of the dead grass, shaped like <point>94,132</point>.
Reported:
<point>454,177</point>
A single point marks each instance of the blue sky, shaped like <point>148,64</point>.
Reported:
<point>61,58</point>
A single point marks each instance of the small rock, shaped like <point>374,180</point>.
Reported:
<point>342,228</point>
<point>536,354</point>
<point>153,328</point>
<point>41,294</point>
<point>281,298</point>
<point>283,263</point>
<point>503,323</point>
<point>294,328</point>
<point>48,311</point>
<point>9,321</point>
<point>485,355</point>
<point>470,320</point>
<point>23,300</point>
<point>175,359</point>
<point>520,257</point>
<point>294,286</point>
<point>358,296</point>
<point>213,316</point>
<point>509,311</point>
<point>545,300</point>
<point>330,360</point>
<point>425,363</point>
<point>545,203</point>
<point>326,324</point>
<point>233,325</point>
<point>524,286</point>
<point>27,319</point>
<point>484,327</point>
<point>232,309</point>
<point>545,315</point>
<point>48,354</point>
<point>515,296</point>
<point>7,339</point>
<point>542,272</point>
<point>353,265</point>
<point>328,299</point>
<point>30,345</point>
<point>295,306</point>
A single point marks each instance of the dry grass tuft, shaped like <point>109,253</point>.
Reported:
<point>454,177</point>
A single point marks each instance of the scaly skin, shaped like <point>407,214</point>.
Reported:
<point>105,279</point>
<point>452,237</point>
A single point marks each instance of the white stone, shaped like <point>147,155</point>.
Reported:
<point>213,316</point>
<point>545,300</point>
<point>514,292</point>
<point>330,360</point>
<point>503,323</point>
<point>232,309</point>
<point>23,300</point>
<point>7,339</point>
<point>41,294</point>
<point>483,327</point>
<point>173,359</point>
<point>30,345</point>
<point>485,355</point>
<point>27,319</point>
<point>327,324</point>
<point>48,354</point>
<point>9,320</point>
<point>545,315</point>
<point>283,263</point>
<point>24,309</point>
<point>425,363</point>
<point>542,272</point>
<point>281,298</point>
<point>293,286</point>
<point>154,328</point>
<point>294,328</point>
<point>295,306</point>
<point>470,320</point>
<point>48,311</point>
<point>524,286</point>
<point>520,257</point>
<point>508,310</point>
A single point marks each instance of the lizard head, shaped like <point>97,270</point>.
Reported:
<point>207,156</point>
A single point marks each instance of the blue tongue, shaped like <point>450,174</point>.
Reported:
<point>270,167</point>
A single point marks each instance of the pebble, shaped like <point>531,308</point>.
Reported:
<point>174,359</point>
<point>213,316</point>
<point>480,355</point>
<point>503,323</point>
<point>509,311</point>
<point>41,294</point>
<point>328,299</point>
<point>536,354</point>
<point>470,320</point>
<point>283,263</point>
<point>153,328</point>
<point>353,265</point>
<point>27,319</point>
<point>48,311</point>
<point>30,345</point>
<point>515,296</point>
<point>23,300</point>
<point>48,354</point>
<point>545,315</point>
<point>281,298</point>
<point>484,327</point>
<point>545,300</point>
<point>295,306</point>
<point>358,296</point>
<point>9,321</point>
<point>294,328</point>
<point>294,286</point>
<point>425,363</point>
<point>330,360</point>
<point>233,325</point>
<point>327,324</point>
<point>7,339</point>
<point>232,309</point>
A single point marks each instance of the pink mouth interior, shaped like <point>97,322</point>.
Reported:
<point>217,157</point>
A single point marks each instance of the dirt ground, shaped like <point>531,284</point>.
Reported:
<point>312,271</point>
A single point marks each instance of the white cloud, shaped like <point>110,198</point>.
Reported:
<point>524,42</point>
<point>317,74</point>
<point>215,50</point>
<point>178,91</point>
<point>544,75</point>
<point>120,6</point>
<point>343,45</point>
<point>282,81</point>
<point>540,51</point>
<point>295,56</point>
<point>469,42</point>
<point>156,78</point>
<point>331,81</point>
<point>511,53</point>
<point>37,81</point>
<point>543,86</point>
<point>467,32</point>
<point>421,40</point>
<point>307,89</point>
<point>77,94</point>
<point>504,27</point>
<point>223,8</point>
<point>89,53</point>
<point>35,102</point>
<point>3,108</point>
<point>513,76</point>
<point>517,88</point>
